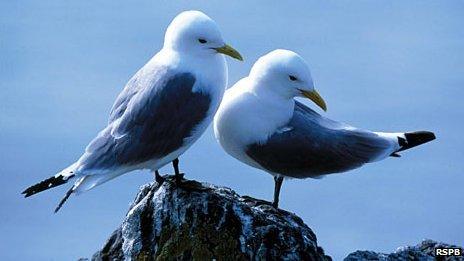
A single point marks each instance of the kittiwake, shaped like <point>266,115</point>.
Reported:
<point>260,124</point>
<point>162,110</point>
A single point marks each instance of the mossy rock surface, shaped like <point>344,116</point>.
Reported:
<point>199,221</point>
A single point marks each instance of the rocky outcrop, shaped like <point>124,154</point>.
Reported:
<point>203,222</point>
<point>200,221</point>
<point>425,251</point>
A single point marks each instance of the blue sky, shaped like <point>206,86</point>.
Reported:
<point>380,65</point>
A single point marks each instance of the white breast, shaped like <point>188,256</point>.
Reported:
<point>244,119</point>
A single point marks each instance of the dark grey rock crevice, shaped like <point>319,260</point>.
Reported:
<point>146,227</point>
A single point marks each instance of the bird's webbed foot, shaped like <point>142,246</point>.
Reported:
<point>158,178</point>
<point>178,178</point>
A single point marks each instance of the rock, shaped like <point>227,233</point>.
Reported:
<point>425,251</point>
<point>203,222</point>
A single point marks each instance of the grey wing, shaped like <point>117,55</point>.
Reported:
<point>132,87</point>
<point>313,146</point>
<point>154,123</point>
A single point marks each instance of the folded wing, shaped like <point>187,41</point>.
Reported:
<point>149,123</point>
<point>311,146</point>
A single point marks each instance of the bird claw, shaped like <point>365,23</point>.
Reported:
<point>179,177</point>
<point>275,205</point>
<point>159,179</point>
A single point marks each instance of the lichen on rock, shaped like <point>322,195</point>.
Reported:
<point>200,221</point>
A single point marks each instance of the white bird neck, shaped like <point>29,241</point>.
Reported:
<point>192,59</point>
<point>272,95</point>
<point>208,69</point>
<point>272,109</point>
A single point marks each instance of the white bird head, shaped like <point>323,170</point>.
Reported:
<point>196,33</point>
<point>286,74</point>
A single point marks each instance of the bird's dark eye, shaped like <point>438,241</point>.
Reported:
<point>202,41</point>
<point>292,78</point>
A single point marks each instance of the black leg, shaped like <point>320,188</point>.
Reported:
<point>159,179</point>
<point>175,164</point>
<point>278,183</point>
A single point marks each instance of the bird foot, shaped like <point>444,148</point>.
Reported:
<point>159,179</point>
<point>179,177</point>
<point>275,205</point>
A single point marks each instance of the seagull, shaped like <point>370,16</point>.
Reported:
<point>260,124</point>
<point>163,109</point>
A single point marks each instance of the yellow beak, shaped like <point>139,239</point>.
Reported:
<point>228,50</point>
<point>316,98</point>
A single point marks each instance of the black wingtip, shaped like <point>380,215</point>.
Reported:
<point>419,137</point>
<point>44,185</point>
<point>416,138</point>
<point>66,196</point>
<point>26,194</point>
